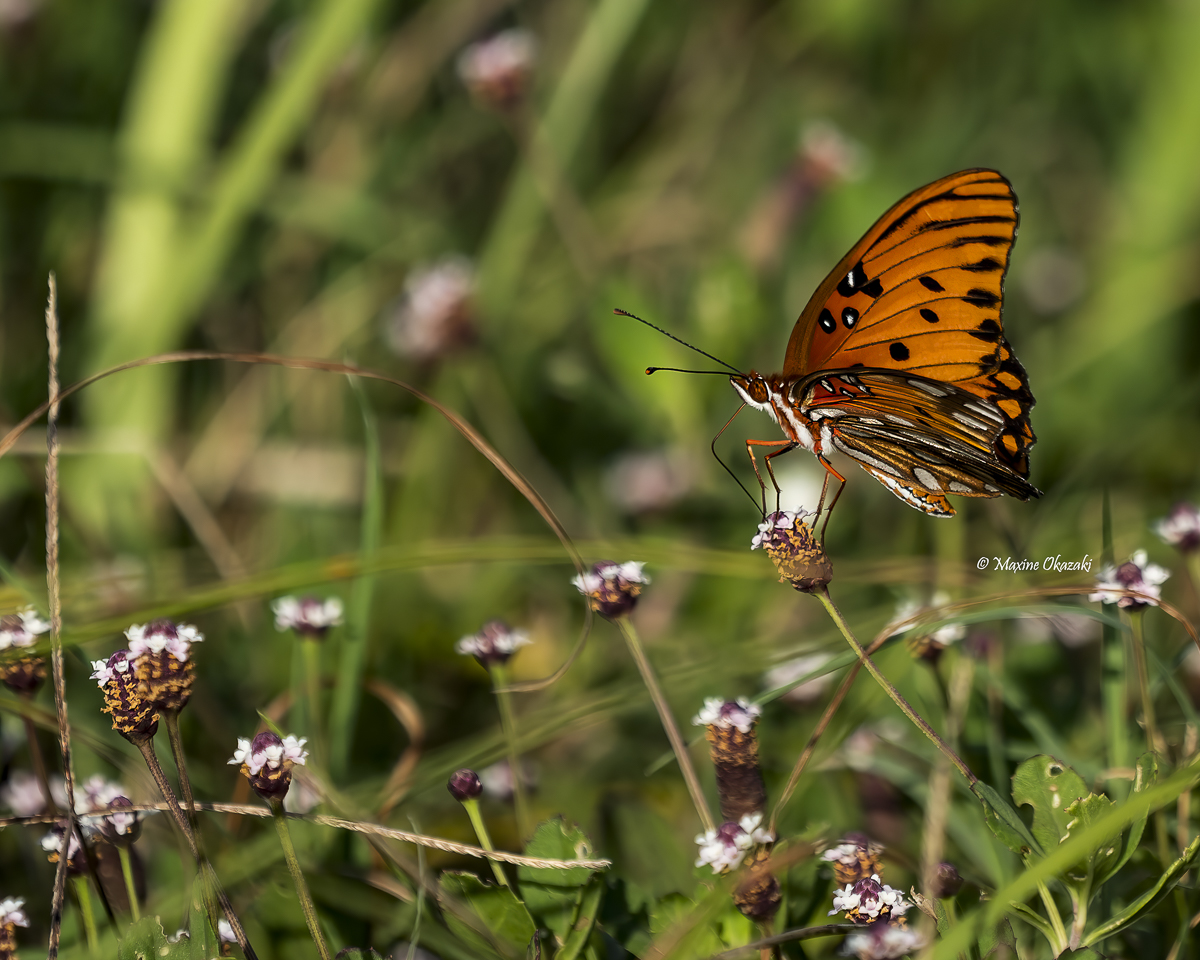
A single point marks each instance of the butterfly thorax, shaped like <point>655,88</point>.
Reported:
<point>777,396</point>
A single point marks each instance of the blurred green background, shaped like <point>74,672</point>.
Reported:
<point>283,176</point>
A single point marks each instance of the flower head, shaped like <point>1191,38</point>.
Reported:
<point>868,900</point>
<point>884,941</point>
<point>435,314</point>
<point>1134,574</point>
<point>497,70</point>
<point>22,793</point>
<point>21,629</point>
<point>161,653</point>
<point>267,762</point>
<point>52,844</point>
<point>739,714</point>
<point>1181,527</point>
<point>854,858</point>
<point>97,794</point>
<point>921,642</point>
<point>134,714</point>
<point>612,589</point>
<point>308,616</point>
<point>497,780</point>
<point>947,881</point>
<point>225,931</point>
<point>799,557</point>
<point>465,785</point>
<point>12,910</point>
<point>494,644</point>
<point>724,848</point>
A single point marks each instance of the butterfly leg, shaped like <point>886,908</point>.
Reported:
<point>829,472</point>
<point>750,444</point>
<point>771,470</point>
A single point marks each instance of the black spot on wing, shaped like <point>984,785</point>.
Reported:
<point>826,321</point>
<point>854,281</point>
<point>927,314</point>
<point>930,284</point>
<point>898,351</point>
<point>988,240</point>
<point>988,332</point>
<point>963,221</point>
<point>981,298</point>
<point>986,265</point>
<point>849,317</point>
<point>874,289</point>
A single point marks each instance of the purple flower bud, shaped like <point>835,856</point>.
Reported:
<point>612,589</point>
<point>465,785</point>
<point>947,882</point>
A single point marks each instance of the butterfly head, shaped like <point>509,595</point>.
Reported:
<point>752,388</point>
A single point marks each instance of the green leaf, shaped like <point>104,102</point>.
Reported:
<point>1004,821</point>
<point>585,921</point>
<point>554,894</point>
<point>145,940</point>
<point>1146,777</point>
<point>1049,786</point>
<point>505,920</point>
<point>1102,861</point>
<point>1148,900</point>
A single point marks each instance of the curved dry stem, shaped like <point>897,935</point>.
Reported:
<point>404,708</point>
<point>510,473</point>
<point>355,826</point>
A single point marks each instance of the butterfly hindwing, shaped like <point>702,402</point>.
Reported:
<point>920,438</point>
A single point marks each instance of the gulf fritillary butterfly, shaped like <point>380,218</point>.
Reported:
<point>900,361</point>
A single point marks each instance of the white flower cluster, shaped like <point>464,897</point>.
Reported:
<point>494,641</point>
<point>12,910</point>
<point>628,572</point>
<point>844,853</point>
<point>102,672</point>
<point>883,941</point>
<point>306,614</point>
<point>21,630</point>
<point>783,520</point>
<point>867,898</point>
<point>433,309</point>
<point>738,713</point>
<point>724,848</point>
<point>1181,527</point>
<point>22,793</point>
<point>270,755</point>
<point>502,59</point>
<point>175,639</point>
<point>1135,574</point>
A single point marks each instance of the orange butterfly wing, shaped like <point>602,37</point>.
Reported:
<point>921,292</point>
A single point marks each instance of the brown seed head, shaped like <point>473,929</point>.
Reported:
<point>794,549</point>
<point>133,715</point>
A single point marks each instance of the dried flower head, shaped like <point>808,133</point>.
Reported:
<point>758,894</point>
<point>1134,574</point>
<point>612,589</point>
<point>797,554</point>
<point>21,674</point>
<point>733,747</point>
<point>465,785</point>
<point>267,762</point>
<point>497,70</point>
<point>134,716</point>
<point>724,848</point>
<point>494,644</point>
<point>161,655</point>
<point>1181,527</point>
<point>435,314</point>
<point>855,858</point>
<point>22,793</point>
<point>868,900</point>
<point>884,941</point>
<point>308,616</point>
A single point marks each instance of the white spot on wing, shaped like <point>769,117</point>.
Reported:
<point>928,480</point>
<point>956,487</point>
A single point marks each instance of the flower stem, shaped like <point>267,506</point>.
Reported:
<point>306,901</point>
<point>130,887</point>
<point>471,805</point>
<point>171,720</point>
<point>312,682</point>
<point>508,722</point>
<point>668,721</point>
<point>39,764</point>
<point>83,892</point>
<point>1153,740</point>
<point>905,708</point>
<point>164,787</point>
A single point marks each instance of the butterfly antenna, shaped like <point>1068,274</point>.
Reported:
<point>713,447</point>
<point>626,313</point>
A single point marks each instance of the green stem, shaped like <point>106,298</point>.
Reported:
<point>1059,944</point>
<point>1113,683</point>
<point>1153,740</point>
<point>508,722</point>
<point>84,893</point>
<point>306,901</point>
<point>130,887</point>
<point>905,708</point>
<point>471,805</point>
<point>682,757</point>
<point>312,688</point>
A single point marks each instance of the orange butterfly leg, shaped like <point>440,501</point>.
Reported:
<point>785,445</point>
<point>829,471</point>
